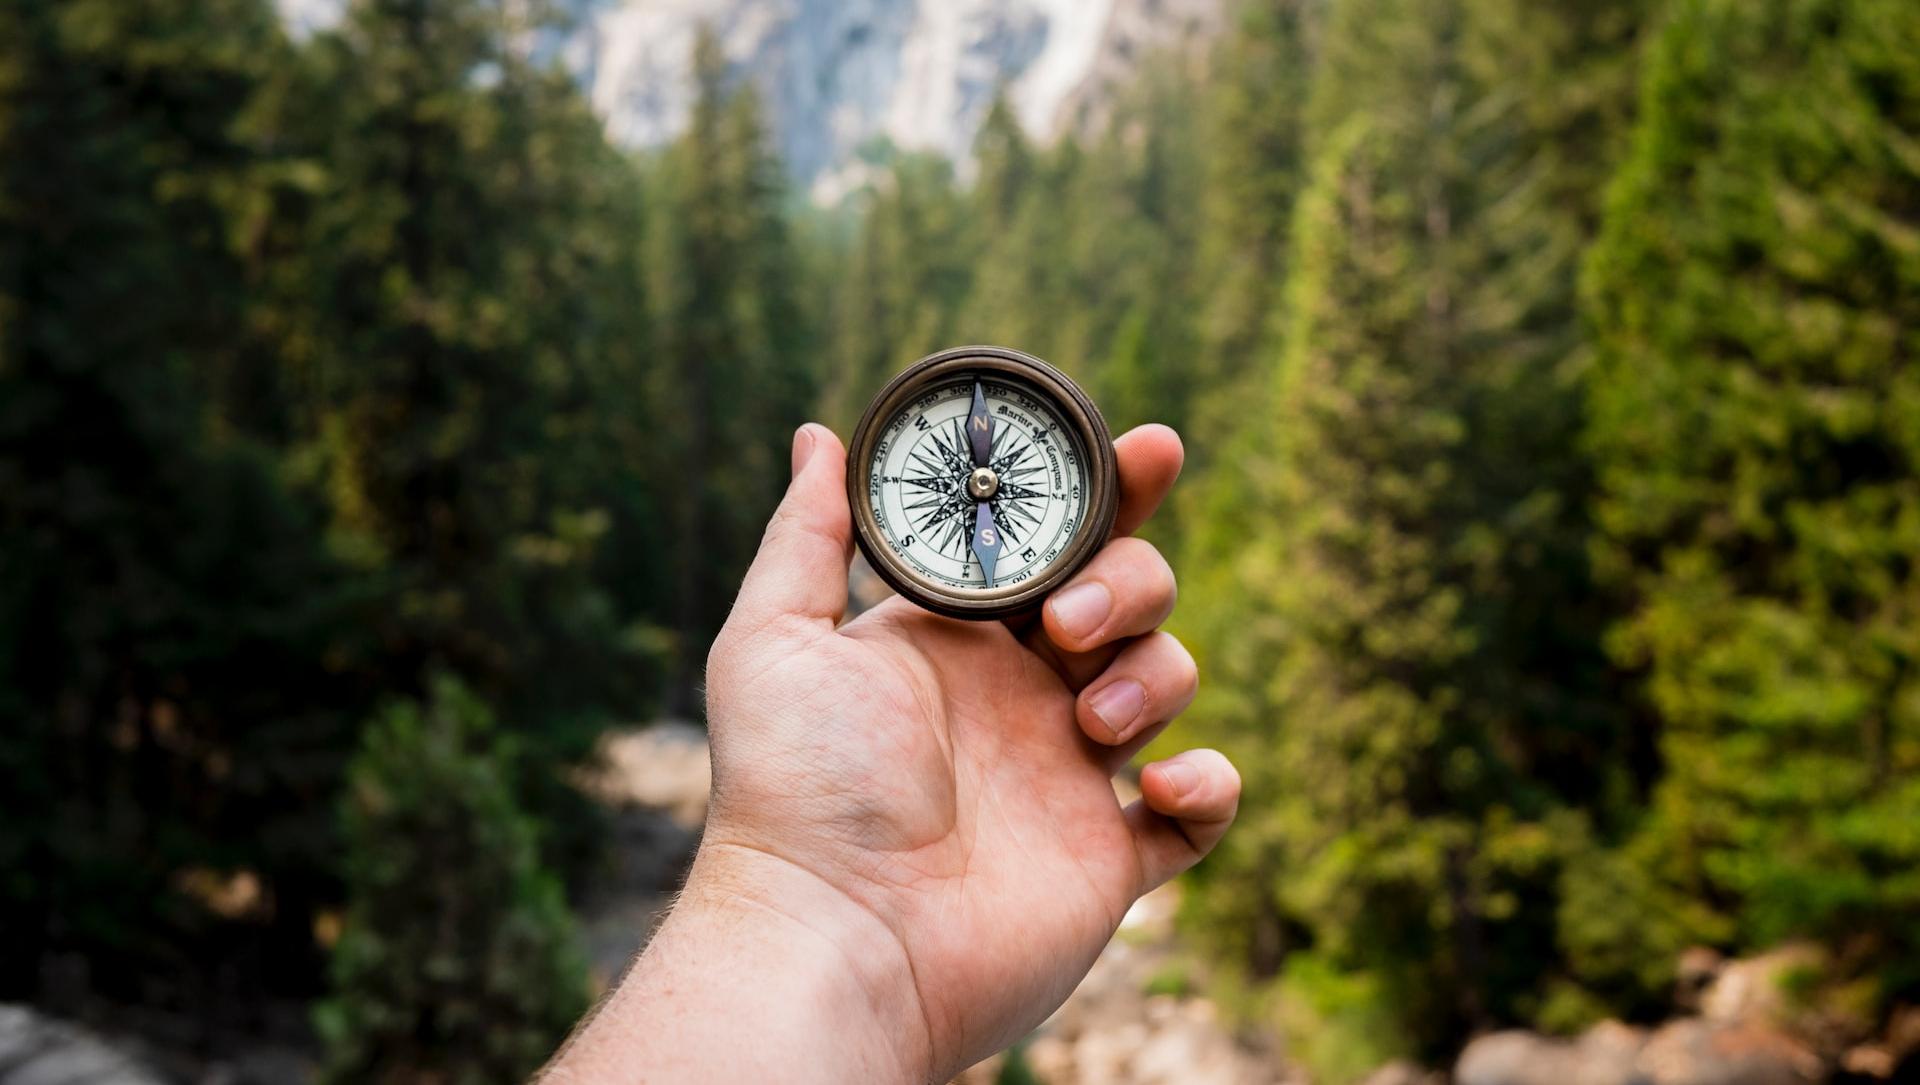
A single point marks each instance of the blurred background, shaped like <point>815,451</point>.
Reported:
<point>393,391</point>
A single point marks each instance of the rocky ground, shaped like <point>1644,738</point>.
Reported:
<point>1123,1026</point>
<point>1740,1025</point>
<point>1139,1018</point>
<point>37,1051</point>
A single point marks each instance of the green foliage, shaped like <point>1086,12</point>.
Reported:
<point>1015,1070</point>
<point>1252,114</point>
<point>731,384</point>
<point>906,276</point>
<point>1174,978</point>
<point>172,633</point>
<point>1138,188</point>
<point>1755,290</point>
<point>323,367</point>
<point>1342,1023</point>
<point>1622,928</point>
<point>460,372</point>
<point>457,960</point>
<point>1409,661</point>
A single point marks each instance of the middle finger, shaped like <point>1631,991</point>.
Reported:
<point>1127,589</point>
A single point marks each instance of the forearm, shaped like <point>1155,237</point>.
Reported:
<point>761,973</point>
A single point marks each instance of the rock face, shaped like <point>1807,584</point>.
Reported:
<point>837,75</point>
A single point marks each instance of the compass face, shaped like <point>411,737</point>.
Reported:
<point>920,471</point>
<point>981,479</point>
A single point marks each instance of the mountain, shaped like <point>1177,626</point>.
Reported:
<point>842,77</point>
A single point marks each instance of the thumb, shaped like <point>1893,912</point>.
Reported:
<point>801,570</point>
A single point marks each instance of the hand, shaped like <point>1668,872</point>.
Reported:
<point>914,851</point>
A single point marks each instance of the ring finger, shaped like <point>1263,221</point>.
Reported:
<point>1151,681</point>
<point>1127,590</point>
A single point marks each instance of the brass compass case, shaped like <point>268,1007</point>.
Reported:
<point>1083,429</point>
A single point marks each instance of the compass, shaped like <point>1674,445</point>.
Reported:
<point>980,479</point>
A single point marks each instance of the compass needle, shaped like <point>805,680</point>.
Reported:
<point>986,540</point>
<point>980,429</point>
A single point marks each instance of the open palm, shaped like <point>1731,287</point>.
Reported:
<point>951,781</point>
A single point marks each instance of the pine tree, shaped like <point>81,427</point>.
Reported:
<point>1024,283</point>
<point>1252,114</point>
<point>1004,160</point>
<point>171,629</point>
<point>1755,291</point>
<point>471,304</point>
<point>1410,659</point>
<point>732,385</point>
<point>457,961</point>
<point>906,276</point>
<point>1132,255</point>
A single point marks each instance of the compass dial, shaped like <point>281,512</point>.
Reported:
<point>980,479</point>
<point>920,474</point>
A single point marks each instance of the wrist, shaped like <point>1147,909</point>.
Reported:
<point>853,963</point>
<point>762,971</point>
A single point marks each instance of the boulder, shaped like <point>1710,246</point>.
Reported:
<point>1753,990</point>
<point>1695,971</point>
<point>1603,1055</point>
<point>1694,1051</point>
<point>1402,1072</point>
<point>37,1050</point>
<point>663,766</point>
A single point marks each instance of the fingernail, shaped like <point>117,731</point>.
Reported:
<point>802,448</point>
<point>1181,778</point>
<point>1082,608</point>
<point>1118,704</point>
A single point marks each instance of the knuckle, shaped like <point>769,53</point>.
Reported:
<point>1150,567</point>
<point>1217,765</point>
<point>1132,552</point>
<point>1168,653</point>
<point>1171,646</point>
<point>786,518</point>
<point>1187,680</point>
<point>1141,578</point>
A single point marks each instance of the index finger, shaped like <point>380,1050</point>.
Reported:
<point>1149,457</point>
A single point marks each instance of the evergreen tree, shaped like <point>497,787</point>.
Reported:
<point>472,304</point>
<point>171,629</point>
<point>1251,113</point>
<point>458,960</point>
<point>1410,659</point>
<point>1132,254</point>
<point>906,276</point>
<point>1756,288</point>
<point>1005,163</point>
<point>1024,282</point>
<point>732,382</point>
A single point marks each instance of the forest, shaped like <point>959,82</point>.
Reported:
<point>374,435</point>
